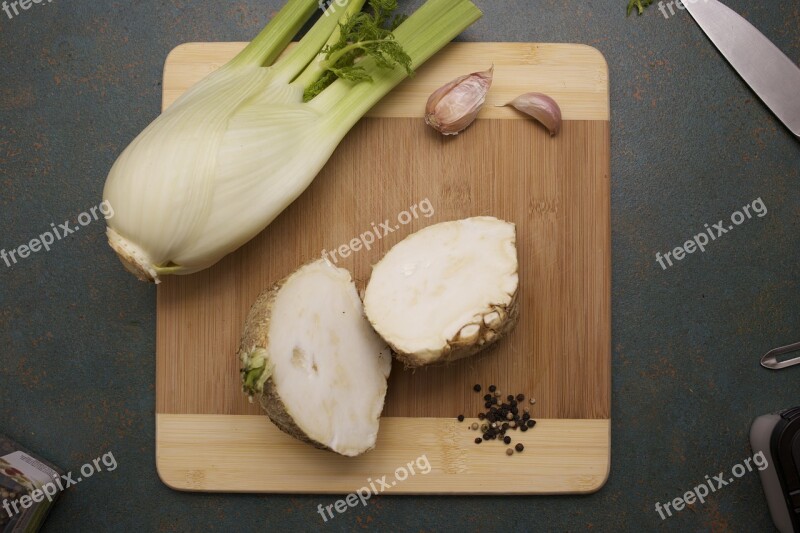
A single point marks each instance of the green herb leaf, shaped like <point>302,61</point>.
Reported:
<point>363,35</point>
<point>638,5</point>
<point>352,73</point>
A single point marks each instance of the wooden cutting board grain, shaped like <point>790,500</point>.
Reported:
<point>393,171</point>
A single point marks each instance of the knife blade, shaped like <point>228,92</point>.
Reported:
<point>770,73</point>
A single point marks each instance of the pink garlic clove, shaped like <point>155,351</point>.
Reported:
<point>454,106</point>
<point>542,108</point>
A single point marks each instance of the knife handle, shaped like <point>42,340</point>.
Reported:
<point>770,359</point>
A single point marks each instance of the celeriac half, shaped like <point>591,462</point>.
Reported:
<point>446,291</point>
<point>313,361</point>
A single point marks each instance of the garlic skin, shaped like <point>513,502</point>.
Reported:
<point>454,106</point>
<point>542,108</point>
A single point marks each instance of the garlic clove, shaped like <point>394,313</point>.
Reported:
<point>542,108</point>
<point>455,105</point>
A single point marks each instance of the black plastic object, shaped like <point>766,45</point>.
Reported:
<point>777,436</point>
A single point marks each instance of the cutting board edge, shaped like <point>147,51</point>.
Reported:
<point>575,482</point>
<point>599,110</point>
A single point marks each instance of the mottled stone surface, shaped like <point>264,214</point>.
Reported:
<point>691,144</point>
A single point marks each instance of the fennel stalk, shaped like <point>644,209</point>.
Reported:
<point>234,151</point>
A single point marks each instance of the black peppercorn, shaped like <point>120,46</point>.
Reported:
<point>531,423</point>
<point>523,428</point>
<point>507,440</point>
<point>478,440</point>
<point>519,447</point>
<point>487,397</point>
<point>520,397</point>
<point>509,398</point>
<point>477,387</point>
<point>492,388</point>
<point>460,418</point>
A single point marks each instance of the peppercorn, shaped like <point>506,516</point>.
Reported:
<point>478,440</point>
<point>474,425</point>
<point>509,397</point>
<point>509,416</point>
<point>531,423</point>
<point>523,428</point>
<point>519,447</point>
<point>492,388</point>
<point>507,440</point>
<point>487,397</point>
<point>526,416</point>
<point>460,418</point>
<point>509,452</point>
<point>513,424</point>
<point>533,401</point>
<point>520,397</point>
<point>477,387</point>
<point>481,416</point>
<point>484,428</point>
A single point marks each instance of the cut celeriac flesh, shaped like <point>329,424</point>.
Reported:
<point>313,361</point>
<point>447,291</point>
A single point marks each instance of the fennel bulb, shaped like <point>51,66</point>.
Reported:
<point>235,150</point>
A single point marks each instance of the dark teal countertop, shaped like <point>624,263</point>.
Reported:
<point>691,144</point>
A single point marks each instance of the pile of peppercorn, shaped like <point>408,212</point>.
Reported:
<point>501,417</point>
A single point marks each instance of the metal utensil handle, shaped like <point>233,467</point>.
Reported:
<point>770,359</point>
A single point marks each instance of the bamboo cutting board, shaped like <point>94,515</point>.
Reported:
<point>393,169</point>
